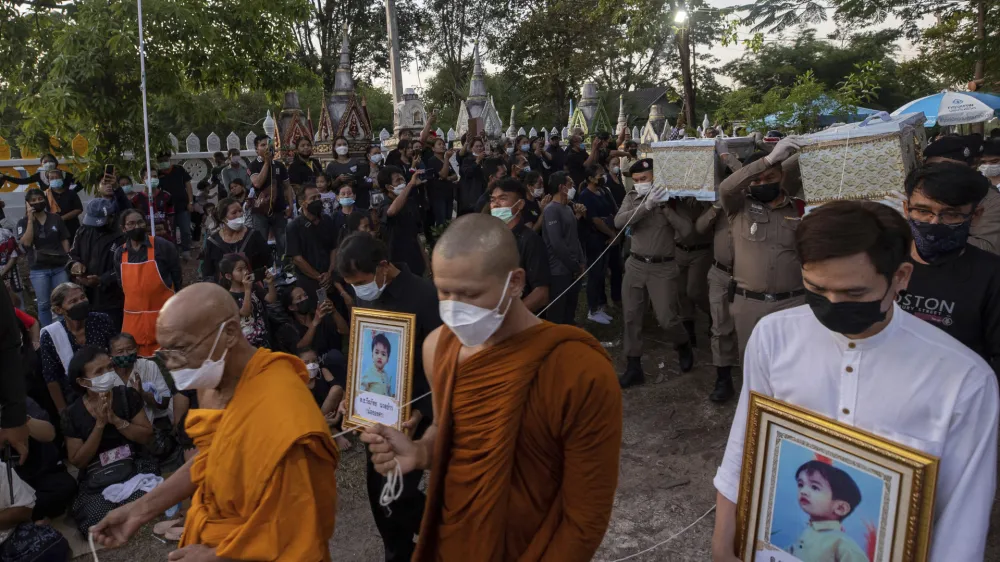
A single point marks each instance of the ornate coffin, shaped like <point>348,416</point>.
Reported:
<point>861,161</point>
<point>687,168</point>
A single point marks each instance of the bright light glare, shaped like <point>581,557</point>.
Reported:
<point>681,16</point>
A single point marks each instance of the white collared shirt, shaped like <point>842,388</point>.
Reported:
<point>24,496</point>
<point>911,383</point>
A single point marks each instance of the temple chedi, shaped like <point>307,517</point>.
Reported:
<point>589,115</point>
<point>344,114</point>
<point>479,104</point>
<point>293,124</point>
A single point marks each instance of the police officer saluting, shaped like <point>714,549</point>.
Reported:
<point>651,272</point>
<point>763,218</point>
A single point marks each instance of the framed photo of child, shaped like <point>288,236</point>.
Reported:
<point>380,368</point>
<point>813,489</point>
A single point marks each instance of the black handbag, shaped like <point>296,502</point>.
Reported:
<point>100,477</point>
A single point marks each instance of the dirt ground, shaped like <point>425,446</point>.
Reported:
<point>673,441</point>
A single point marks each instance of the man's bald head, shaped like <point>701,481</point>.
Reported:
<point>483,238</point>
<point>198,305</point>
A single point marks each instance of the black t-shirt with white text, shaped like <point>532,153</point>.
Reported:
<point>962,297</point>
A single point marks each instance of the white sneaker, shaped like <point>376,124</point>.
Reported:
<point>604,313</point>
<point>599,317</point>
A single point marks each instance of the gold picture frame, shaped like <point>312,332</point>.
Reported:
<point>380,368</point>
<point>893,483</point>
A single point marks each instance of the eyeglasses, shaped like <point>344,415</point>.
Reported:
<point>944,217</point>
<point>135,224</point>
<point>178,355</point>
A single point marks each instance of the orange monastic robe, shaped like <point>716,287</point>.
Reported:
<point>525,461</point>
<point>265,469</point>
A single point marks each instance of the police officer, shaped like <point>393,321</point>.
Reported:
<point>651,274</point>
<point>694,258</point>
<point>763,217</point>
<point>725,347</point>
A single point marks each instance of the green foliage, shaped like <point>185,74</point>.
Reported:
<point>950,48</point>
<point>87,80</point>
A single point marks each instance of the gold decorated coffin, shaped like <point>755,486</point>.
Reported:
<point>861,161</point>
<point>687,168</point>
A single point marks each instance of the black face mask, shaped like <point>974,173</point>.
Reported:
<point>766,192</point>
<point>78,311</point>
<point>137,234</point>
<point>315,208</point>
<point>846,317</point>
<point>38,207</point>
<point>306,307</point>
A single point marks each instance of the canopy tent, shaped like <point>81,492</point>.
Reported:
<point>954,108</point>
<point>830,113</point>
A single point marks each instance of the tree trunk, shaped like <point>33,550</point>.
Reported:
<point>684,48</point>
<point>981,39</point>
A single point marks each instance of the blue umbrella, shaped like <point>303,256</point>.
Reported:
<point>830,112</point>
<point>954,108</point>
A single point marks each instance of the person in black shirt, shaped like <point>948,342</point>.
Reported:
<point>954,285</point>
<point>577,159</point>
<point>366,183</point>
<point>534,204</point>
<point>614,181</point>
<point>507,203</point>
<point>364,263</point>
<point>46,240</point>
<point>44,470</point>
<point>597,231</point>
<point>177,182</point>
<point>557,154</point>
<point>348,207</point>
<point>67,203</point>
<point>327,383</point>
<point>93,264</point>
<point>440,181</point>
<point>321,327</point>
<point>400,219</point>
<point>304,168</point>
<point>472,184</point>
<point>271,194</point>
<point>312,244</point>
<point>234,237</point>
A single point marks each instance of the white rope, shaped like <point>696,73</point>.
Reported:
<point>393,486</point>
<point>843,169</point>
<point>90,539</point>
<point>145,124</point>
<point>594,262</point>
<point>675,535</point>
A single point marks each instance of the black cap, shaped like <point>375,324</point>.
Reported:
<point>991,148</point>
<point>951,147</point>
<point>644,165</point>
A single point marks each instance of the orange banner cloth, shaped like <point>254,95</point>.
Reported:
<point>265,469</point>
<point>525,461</point>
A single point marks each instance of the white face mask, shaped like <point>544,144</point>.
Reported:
<point>369,291</point>
<point>990,170</point>
<point>235,160</point>
<point>105,382</point>
<point>643,188</point>
<point>571,193</point>
<point>313,369</point>
<point>208,375</point>
<point>538,192</point>
<point>398,190</point>
<point>341,150</point>
<point>474,325</point>
<point>615,170</point>
<point>235,224</point>
<point>376,158</point>
<point>49,166</point>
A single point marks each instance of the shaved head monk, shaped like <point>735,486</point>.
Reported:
<point>262,483</point>
<point>523,451</point>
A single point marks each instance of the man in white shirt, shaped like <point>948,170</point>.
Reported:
<point>853,355</point>
<point>20,538</point>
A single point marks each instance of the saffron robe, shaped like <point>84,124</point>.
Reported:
<point>265,468</point>
<point>525,462</point>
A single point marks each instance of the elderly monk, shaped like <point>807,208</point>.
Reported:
<point>262,481</point>
<point>523,451</point>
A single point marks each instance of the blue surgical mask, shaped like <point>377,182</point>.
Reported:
<point>127,188</point>
<point>525,147</point>
<point>56,184</point>
<point>346,201</point>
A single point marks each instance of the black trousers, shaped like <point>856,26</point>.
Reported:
<point>54,492</point>
<point>562,309</point>
<point>399,523</point>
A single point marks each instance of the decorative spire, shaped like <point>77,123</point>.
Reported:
<point>622,118</point>
<point>570,119</point>
<point>477,89</point>
<point>345,51</point>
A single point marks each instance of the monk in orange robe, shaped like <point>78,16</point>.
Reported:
<point>262,482</point>
<point>524,448</point>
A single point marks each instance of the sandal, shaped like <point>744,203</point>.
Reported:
<point>162,527</point>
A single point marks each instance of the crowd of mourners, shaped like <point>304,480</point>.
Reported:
<point>297,244</point>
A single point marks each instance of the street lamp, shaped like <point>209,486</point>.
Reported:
<point>681,16</point>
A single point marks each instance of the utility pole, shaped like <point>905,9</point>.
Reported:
<point>396,82</point>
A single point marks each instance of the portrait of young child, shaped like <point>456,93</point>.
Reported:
<point>828,495</point>
<point>377,377</point>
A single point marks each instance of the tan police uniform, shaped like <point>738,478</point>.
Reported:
<point>725,348</point>
<point>651,274</point>
<point>766,267</point>
<point>985,231</point>
<point>694,258</point>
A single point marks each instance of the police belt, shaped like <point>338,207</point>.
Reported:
<point>652,259</point>
<point>694,248</point>
<point>728,269</point>
<point>769,297</point>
